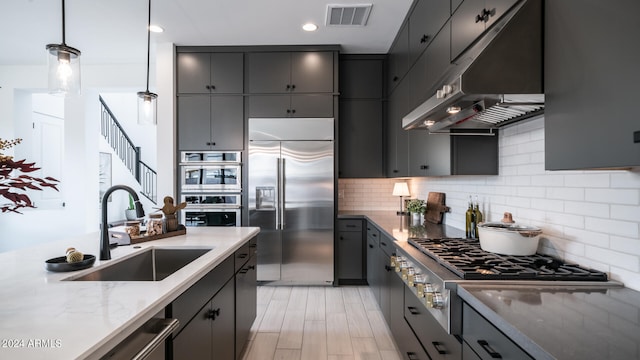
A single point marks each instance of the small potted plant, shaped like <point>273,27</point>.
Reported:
<point>130,212</point>
<point>416,207</point>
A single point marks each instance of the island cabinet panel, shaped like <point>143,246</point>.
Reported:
<point>291,72</point>
<point>246,303</point>
<point>211,334</point>
<point>485,340</point>
<point>209,73</point>
<point>591,82</point>
<point>216,312</point>
<point>210,122</point>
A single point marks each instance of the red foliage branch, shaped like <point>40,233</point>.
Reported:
<point>9,184</point>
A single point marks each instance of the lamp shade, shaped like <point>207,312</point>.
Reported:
<point>147,108</point>
<point>400,189</point>
<point>64,69</point>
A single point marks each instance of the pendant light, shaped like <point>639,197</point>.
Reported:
<point>147,101</point>
<point>64,66</point>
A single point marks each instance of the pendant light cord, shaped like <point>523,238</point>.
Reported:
<point>148,43</point>
<point>63,30</point>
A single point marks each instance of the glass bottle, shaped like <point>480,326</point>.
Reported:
<point>468,216</point>
<point>478,217</point>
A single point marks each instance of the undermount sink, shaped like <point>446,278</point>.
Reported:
<point>154,264</point>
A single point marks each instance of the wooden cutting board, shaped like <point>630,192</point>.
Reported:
<point>435,208</point>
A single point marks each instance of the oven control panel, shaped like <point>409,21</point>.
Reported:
<point>426,286</point>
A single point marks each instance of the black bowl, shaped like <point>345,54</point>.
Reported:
<point>60,264</point>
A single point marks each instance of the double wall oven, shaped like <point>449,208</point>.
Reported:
<point>211,185</point>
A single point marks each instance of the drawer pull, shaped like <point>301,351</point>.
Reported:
<point>413,310</point>
<point>439,347</point>
<point>242,256</point>
<point>485,345</point>
<point>350,225</point>
<point>383,243</point>
<point>412,356</point>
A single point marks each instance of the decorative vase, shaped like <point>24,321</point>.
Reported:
<point>130,214</point>
<point>416,219</point>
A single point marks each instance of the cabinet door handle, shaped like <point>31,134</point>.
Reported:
<point>293,86</point>
<point>208,87</point>
<point>350,226</point>
<point>212,314</point>
<point>341,238</point>
<point>439,347</point>
<point>387,267</point>
<point>485,345</point>
<point>212,87</point>
<point>412,356</point>
<point>288,86</point>
<point>243,271</point>
<point>395,78</point>
<point>371,246</point>
<point>395,171</point>
<point>293,111</point>
<point>251,267</point>
<point>424,167</point>
<point>242,256</point>
<point>383,243</point>
<point>413,310</point>
<point>424,38</point>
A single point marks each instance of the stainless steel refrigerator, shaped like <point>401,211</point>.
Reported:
<point>291,199</point>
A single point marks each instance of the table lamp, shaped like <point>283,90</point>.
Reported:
<point>400,189</point>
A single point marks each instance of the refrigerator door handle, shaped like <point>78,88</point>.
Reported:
<point>277,199</point>
<point>283,178</point>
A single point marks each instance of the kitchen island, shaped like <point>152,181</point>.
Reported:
<point>45,317</point>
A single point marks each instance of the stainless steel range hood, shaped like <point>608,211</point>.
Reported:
<point>495,82</point>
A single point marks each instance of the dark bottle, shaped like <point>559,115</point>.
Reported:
<point>478,218</point>
<point>469,220</point>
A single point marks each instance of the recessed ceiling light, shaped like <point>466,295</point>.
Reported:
<point>156,29</point>
<point>310,27</point>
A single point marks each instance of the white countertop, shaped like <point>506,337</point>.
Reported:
<point>42,317</point>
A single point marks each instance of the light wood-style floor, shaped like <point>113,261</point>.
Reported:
<point>327,323</point>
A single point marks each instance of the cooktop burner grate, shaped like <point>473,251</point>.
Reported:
<point>467,260</point>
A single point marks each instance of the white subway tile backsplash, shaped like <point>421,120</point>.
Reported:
<point>613,196</point>
<point>588,217</point>
<point>614,227</point>
<point>586,208</point>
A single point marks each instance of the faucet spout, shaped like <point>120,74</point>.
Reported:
<point>105,251</point>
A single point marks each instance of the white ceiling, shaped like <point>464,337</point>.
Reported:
<point>114,31</point>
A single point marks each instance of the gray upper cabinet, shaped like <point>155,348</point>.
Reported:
<point>360,139</point>
<point>277,106</point>
<point>471,19</point>
<point>425,21</point>
<point>397,163</point>
<point>291,72</point>
<point>591,84</point>
<point>398,64</point>
<point>426,73</point>
<point>429,155</point>
<point>210,122</point>
<point>216,73</point>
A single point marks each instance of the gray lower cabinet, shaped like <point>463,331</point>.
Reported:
<point>373,275</point>
<point>246,303</point>
<point>278,106</point>
<point>216,312</point>
<point>350,254</point>
<point>210,122</point>
<point>291,72</point>
<point>436,341</point>
<point>485,340</point>
<point>203,72</point>
<point>591,78</point>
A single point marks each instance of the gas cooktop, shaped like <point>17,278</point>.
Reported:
<point>467,260</point>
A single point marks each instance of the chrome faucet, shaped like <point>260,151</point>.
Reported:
<point>105,251</point>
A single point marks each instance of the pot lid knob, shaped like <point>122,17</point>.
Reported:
<point>507,218</point>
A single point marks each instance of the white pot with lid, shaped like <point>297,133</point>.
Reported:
<point>508,238</point>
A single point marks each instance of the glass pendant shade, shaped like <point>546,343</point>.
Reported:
<point>147,108</point>
<point>64,66</point>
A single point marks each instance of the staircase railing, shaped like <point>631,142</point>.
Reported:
<point>122,145</point>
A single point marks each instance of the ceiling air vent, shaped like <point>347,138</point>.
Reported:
<point>348,15</point>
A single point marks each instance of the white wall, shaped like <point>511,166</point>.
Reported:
<point>82,211</point>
